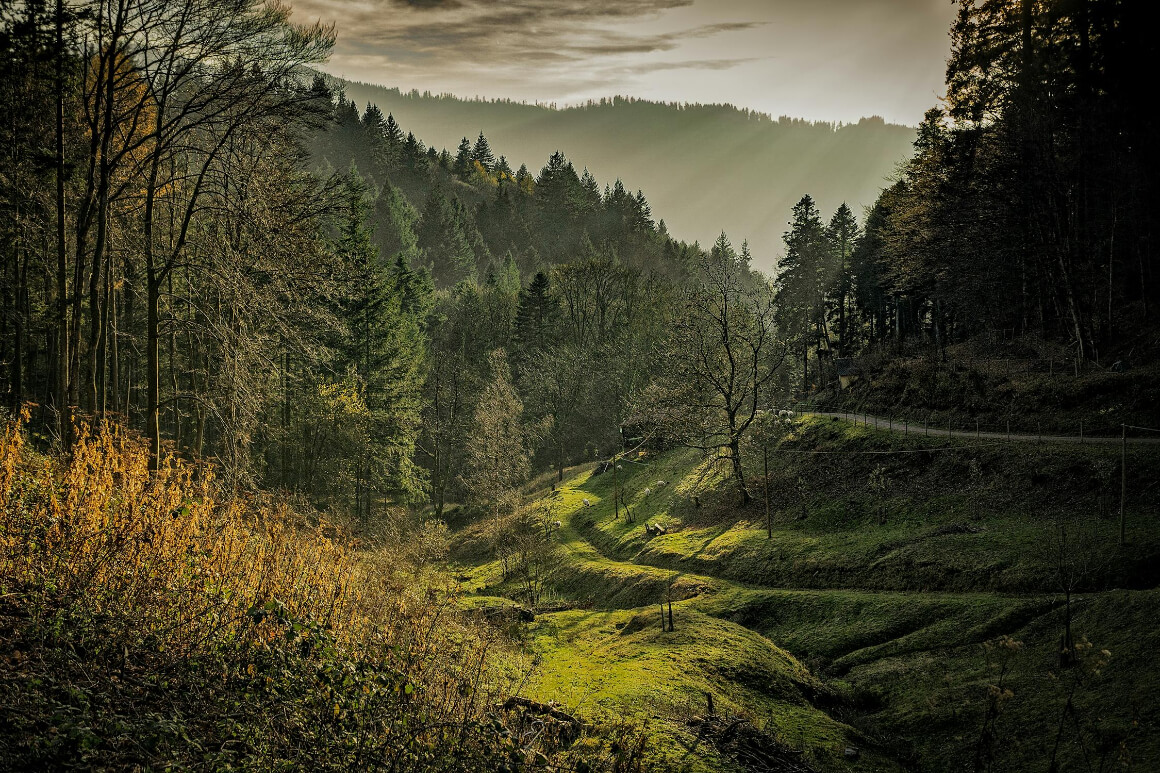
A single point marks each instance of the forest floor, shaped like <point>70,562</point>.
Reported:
<point>901,608</point>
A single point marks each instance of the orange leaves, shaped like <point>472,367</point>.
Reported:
<point>167,551</point>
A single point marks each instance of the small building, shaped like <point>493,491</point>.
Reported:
<point>848,372</point>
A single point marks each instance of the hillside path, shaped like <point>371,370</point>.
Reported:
<point>907,428</point>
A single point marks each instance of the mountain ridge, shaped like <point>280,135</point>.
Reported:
<point>739,171</point>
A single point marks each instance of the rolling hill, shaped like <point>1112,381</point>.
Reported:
<point>704,168</point>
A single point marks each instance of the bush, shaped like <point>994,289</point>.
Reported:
<point>154,620</point>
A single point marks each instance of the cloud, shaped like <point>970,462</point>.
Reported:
<point>424,39</point>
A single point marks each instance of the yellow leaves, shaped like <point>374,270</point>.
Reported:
<point>169,550</point>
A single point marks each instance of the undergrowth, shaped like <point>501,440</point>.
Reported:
<point>155,620</point>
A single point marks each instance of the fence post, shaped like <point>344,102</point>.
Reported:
<point>1008,430</point>
<point>976,428</point>
<point>1081,432</point>
<point>1123,476</point>
<point>768,519</point>
<point>906,427</point>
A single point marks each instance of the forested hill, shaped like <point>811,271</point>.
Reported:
<point>704,168</point>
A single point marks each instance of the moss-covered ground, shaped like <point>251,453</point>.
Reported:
<point>903,598</point>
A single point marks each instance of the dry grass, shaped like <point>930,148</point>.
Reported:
<point>152,620</point>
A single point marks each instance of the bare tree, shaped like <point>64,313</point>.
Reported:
<point>725,351</point>
<point>187,77</point>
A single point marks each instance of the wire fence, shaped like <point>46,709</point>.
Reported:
<point>1007,366</point>
<point>951,426</point>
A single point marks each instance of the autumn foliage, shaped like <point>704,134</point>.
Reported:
<point>155,619</point>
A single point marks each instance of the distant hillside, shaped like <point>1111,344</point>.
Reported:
<point>703,168</point>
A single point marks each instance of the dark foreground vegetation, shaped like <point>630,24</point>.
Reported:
<point>154,619</point>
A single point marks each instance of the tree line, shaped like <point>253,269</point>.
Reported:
<point>207,243</point>
<point>1029,205</point>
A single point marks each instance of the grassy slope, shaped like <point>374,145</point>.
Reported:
<point>894,614</point>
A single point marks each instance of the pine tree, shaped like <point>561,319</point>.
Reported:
<point>373,121</point>
<point>534,314</point>
<point>463,161</point>
<point>524,180</point>
<point>502,168</point>
<point>393,132</point>
<point>481,153</point>
<point>443,242</point>
<point>385,349</point>
<point>842,234</point>
<point>801,282</point>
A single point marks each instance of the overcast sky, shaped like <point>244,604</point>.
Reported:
<point>835,60</point>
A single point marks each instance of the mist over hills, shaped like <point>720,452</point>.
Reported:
<point>703,168</point>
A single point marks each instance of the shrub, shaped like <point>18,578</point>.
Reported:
<point>155,620</point>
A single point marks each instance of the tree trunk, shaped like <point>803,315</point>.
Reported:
<point>768,517</point>
<point>738,472</point>
<point>64,419</point>
<point>152,370</point>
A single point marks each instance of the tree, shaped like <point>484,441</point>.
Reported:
<point>802,282</point>
<point>230,64</point>
<point>497,450</point>
<point>842,234</point>
<point>535,314</point>
<point>481,153</point>
<point>724,353</point>
<point>443,241</point>
<point>386,351</point>
<point>392,132</point>
<point>462,166</point>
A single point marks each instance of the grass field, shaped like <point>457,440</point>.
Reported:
<point>917,622</point>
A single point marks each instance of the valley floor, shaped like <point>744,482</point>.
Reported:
<point>929,642</point>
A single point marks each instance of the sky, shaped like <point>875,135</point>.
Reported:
<point>828,60</point>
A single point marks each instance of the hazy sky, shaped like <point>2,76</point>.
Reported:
<point>833,60</point>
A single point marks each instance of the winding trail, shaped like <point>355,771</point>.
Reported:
<point>926,430</point>
<point>722,598</point>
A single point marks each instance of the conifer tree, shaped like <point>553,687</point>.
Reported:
<point>502,168</point>
<point>842,234</point>
<point>801,282</point>
<point>463,165</point>
<point>442,240</point>
<point>481,153</point>
<point>373,122</point>
<point>385,349</point>
<point>534,314</point>
<point>393,132</point>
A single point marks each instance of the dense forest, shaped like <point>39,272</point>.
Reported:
<point>227,285</point>
<point>1028,206</point>
<point>242,264</point>
<point>705,168</point>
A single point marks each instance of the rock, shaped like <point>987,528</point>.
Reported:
<point>852,753</point>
